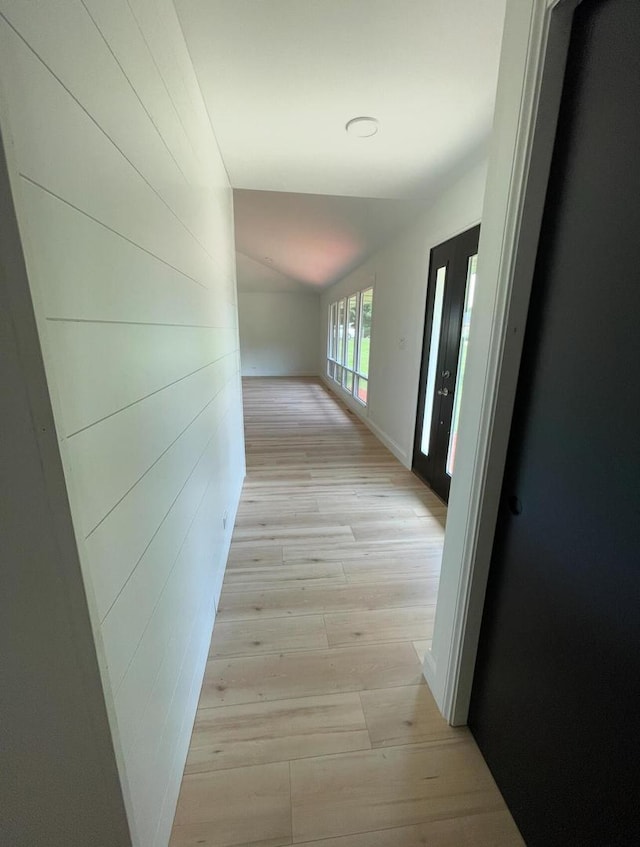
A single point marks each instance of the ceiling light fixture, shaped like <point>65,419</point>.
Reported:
<point>362,127</point>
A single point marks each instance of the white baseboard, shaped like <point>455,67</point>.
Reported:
<point>273,375</point>
<point>231,522</point>
<point>362,412</point>
<point>400,454</point>
<point>429,670</point>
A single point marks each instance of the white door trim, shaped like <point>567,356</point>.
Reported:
<point>533,59</point>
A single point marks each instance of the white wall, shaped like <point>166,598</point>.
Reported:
<point>399,275</point>
<point>125,214</point>
<point>278,333</point>
<point>57,752</point>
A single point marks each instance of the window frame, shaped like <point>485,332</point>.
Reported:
<point>338,371</point>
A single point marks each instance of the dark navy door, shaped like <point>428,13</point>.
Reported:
<point>556,698</point>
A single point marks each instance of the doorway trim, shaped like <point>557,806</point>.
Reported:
<point>532,64</point>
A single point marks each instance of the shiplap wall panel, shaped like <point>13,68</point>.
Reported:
<point>119,541</point>
<point>154,17</point>
<point>126,217</point>
<point>88,72</point>
<point>111,277</point>
<point>121,30</point>
<point>141,673</point>
<point>125,622</point>
<point>172,718</point>
<point>183,736</point>
<point>80,164</point>
<point>93,60</point>
<point>171,728</point>
<point>153,671</point>
<point>130,363</point>
<point>107,452</point>
<point>122,626</point>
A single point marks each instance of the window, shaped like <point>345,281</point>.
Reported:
<point>349,343</point>
<point>462,360</point>
<point>434,346</point>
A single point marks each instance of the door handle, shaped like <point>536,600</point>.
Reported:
<point>446,374</point>
<point>514,505</point>
<point>444,392</point>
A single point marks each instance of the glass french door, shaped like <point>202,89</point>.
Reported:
<point>450,293</point>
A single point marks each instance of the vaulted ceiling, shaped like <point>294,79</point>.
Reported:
<point>315,239</point>
<point>281,79</point>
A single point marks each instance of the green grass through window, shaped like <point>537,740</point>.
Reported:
<point>364,354</point>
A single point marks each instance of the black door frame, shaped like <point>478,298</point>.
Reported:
<point>454,255</point>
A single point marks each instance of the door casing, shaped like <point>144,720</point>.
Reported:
<point>533,58</point>
<point>557,680</point>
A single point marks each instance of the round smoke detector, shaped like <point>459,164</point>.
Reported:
<point>362,127</point>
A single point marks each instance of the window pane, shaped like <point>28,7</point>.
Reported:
<point>348,381</point>
<point>434,344</point>
<point>341,331</point>
<point>330,368</point>
<point>363,390</point>
<point>352,309</point>
<point>462,361</point>
<point>338,374</point>
<point>364,339</point>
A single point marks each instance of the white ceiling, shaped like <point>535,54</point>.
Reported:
<point>259,277</point>
<point>313,239</point>
<point>281,78</point>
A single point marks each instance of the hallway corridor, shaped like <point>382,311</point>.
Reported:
<point>314,723</point>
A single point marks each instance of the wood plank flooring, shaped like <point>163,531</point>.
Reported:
<point>315,725</point>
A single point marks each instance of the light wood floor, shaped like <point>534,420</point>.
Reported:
<point>314,723</point>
